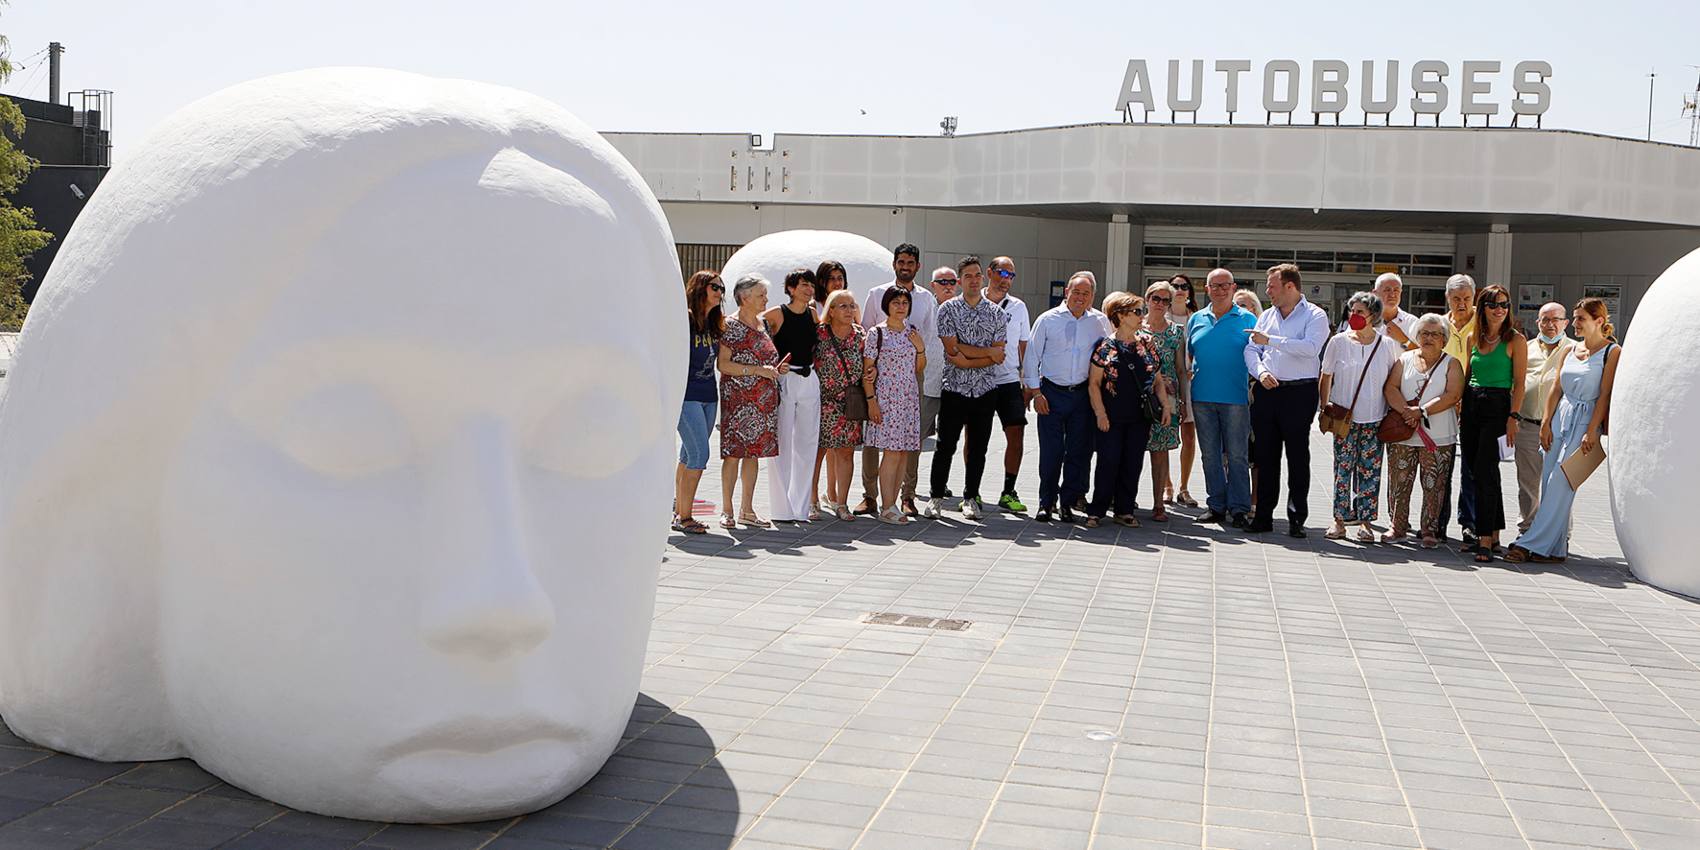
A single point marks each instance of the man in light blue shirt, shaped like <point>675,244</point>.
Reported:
<point>1054,372</point>
<point>1221,400</point>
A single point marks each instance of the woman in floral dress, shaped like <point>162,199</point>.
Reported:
<point>749,400</point>
<point>838,362</point>
<point>1122,376</point>
<point>895,357</point>
<point>1167,337</point>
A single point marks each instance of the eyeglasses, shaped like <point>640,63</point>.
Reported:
<point>1435,334</point>
<point>1228,284</point>
<point>1497,305</point>
<point>1138,311</point>
<point>1160,299</point>
<point>1555,320</point>
<point>946,281</point>
<point>717,287</point>
<point>1006,274</point>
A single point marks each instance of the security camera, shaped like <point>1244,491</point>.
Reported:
<point>78,192</point>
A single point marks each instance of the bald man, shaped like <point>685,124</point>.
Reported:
<point>1546,355</point>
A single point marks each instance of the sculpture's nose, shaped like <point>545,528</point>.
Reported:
<point>482,597</point>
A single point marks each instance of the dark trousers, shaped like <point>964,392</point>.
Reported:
<point>1065,445</point>
<point>1121,460</point>
<point>958,412</point>
<point>1466,500</point>
<point>1280,420</point>
<point>1479,430</point>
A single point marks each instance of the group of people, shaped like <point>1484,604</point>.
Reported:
<point>1236,387</point>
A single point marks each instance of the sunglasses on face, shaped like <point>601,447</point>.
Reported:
<point>1006,274</point>
<point>1497,305</point>
<point>1161,299</point>
<point>717,287</point>
<point>945,281</point>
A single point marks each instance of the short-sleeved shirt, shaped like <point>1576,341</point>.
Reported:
<point>981,325</point>
<point>1407,322</point>
<point>923,317</point>
<point>1020,330</point>
<point>1219,374</point>
<point>1346,359</point>
<point>700,385</point>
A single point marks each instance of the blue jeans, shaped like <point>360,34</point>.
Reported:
<point>1223,431</point>
<point>1065,445</point>
<point>696,420</point>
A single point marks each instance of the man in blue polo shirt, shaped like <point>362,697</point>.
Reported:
<point>1221,399</point>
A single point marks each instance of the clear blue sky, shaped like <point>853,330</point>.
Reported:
<point>795,67</point>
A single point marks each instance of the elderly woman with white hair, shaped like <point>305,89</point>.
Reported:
<point>1424,390</point>
<point>1355,365</point>
<point>749,400</point>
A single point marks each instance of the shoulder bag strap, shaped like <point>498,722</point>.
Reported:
<point>1424,388</point>
<point>1365,373</point>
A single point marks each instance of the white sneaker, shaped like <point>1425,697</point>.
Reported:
<point>970,508</point>
<point>932,509</point>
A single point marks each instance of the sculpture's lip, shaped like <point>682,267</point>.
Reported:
<point>481,734</point>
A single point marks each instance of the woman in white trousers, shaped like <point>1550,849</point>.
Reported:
<point>790,475</point>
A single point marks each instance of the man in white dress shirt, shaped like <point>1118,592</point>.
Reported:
<point>1396,324</point>
<point>1285,357</point>
<point>923,315</point>
<point>1055,373</point>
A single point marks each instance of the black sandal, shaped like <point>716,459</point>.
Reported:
<point>1484,555</point>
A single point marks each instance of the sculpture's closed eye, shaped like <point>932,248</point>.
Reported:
<point>344,431</point>
<point>597,431</point>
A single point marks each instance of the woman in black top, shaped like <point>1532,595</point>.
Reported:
<point>790,476</point>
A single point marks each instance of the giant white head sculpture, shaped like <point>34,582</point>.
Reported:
<point>1655,402</point>
<point>867,264</point>
<point>330,452</point>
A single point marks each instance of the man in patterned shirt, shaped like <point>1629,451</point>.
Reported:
<point>972,330</point>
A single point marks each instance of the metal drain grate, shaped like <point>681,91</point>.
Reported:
<point>917,621</point>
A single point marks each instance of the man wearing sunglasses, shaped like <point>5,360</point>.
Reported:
<point>1012,406</point>
<point>944,288</point>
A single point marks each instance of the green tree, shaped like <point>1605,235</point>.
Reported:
<point>19,236</point>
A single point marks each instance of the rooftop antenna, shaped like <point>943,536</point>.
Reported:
<point>54,51</point>
<point>948,126</point>
<point>1691,109</point>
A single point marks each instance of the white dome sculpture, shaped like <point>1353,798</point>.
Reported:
<point>867,264</point>
<point>1655,403</point>
<point>330,455</point>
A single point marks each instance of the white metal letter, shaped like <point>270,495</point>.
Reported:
<point>1193,101</point>
<point>1522,84</point>
<point>1233,68</point>
<point>1382,106</point>
<point>1328,87</point>
<point>1467,102</point>
<point>1136,87</point>
<point>1422,85</point>
<point>1291,101</point>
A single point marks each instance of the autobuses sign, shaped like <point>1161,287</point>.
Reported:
<point>1429,87</point>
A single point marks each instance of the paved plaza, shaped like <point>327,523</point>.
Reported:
<point>1054,688</point>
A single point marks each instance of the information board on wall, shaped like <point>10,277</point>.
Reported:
<point>1531,297</point>
<point>1610,293</point>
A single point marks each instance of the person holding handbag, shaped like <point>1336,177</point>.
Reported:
<point>1122,386</point>
<point>1420,429</point>
<point>843,407</point>
<point>1576,413</point>
<point>1354,416</point>
<point>894,357</point>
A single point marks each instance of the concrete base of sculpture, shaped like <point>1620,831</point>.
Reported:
<point>330,451</point>
<point>867,264</point>
<point>1655,413</point>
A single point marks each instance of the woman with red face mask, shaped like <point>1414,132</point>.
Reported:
<point>1355,365</point>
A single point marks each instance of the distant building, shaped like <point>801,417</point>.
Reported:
<point>73,142</point>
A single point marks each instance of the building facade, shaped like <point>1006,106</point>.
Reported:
<point>73,145</point>
<point>1554,215</point>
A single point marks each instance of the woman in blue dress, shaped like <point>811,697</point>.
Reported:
<point>1575,416</point>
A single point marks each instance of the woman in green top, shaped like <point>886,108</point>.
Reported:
<point>1498,356</point>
